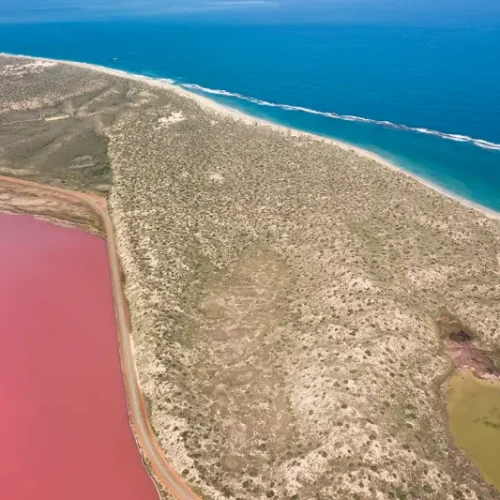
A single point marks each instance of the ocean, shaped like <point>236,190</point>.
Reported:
<point>426,99</point>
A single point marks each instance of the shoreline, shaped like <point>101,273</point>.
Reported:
<point>153,459</point>
<point>335,252</point>
<point>214,106</point>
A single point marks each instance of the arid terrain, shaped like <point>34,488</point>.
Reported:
<point>285,293</point>
<point>55,207</point>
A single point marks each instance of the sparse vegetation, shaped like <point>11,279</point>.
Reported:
<point>284,294</point>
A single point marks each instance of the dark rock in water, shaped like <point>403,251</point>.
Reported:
<point>460,336</point>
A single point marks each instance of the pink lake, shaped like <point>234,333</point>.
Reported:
<point>64,429</point>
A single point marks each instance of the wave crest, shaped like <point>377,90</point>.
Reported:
<point>350,118</point>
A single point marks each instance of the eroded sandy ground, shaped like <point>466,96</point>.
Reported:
<point>284,293</point>
<point>34,200</point>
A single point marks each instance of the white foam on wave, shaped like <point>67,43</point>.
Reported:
<point>350,118</point>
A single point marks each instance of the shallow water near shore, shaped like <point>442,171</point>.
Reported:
<point>405,94</point>
<point>474,418</point>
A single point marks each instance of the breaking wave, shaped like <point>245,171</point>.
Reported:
<point>350,118</point>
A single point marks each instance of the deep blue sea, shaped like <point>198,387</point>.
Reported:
<point>427,99</point>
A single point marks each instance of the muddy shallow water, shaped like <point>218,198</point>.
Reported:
<point>64,429</point>
<point>474,417</point>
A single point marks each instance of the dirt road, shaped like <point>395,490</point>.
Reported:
<point>139,422</point>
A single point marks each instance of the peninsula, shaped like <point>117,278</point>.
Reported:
<point>286,292</point>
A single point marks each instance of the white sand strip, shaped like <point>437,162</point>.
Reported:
<point>207,103</point>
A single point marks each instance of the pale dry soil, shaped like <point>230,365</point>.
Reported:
<point>43,204</point>
<point>284,294</point>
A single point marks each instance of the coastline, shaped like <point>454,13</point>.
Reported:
<point>264,272</point>
<point>216,107</point>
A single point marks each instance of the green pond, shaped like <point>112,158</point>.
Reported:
<point>474,417</point>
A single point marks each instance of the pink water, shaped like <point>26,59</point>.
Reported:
<point>64,430</point>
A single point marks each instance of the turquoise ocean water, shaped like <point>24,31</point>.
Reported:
<point>427,99</point>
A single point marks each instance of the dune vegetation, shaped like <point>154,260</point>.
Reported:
<point>285,292</point>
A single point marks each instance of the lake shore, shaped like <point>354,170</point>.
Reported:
<point>88,214</point>
<point>60,366</point>
<point>284,290</point>
<point>207,103</point>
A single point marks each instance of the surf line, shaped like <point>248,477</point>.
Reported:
<point>350,118</point>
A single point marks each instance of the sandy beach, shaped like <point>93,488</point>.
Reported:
<point>286,291</point>
<point>169,84</point>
